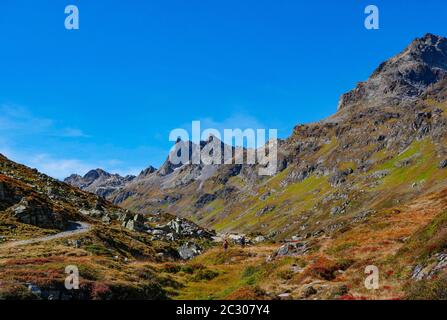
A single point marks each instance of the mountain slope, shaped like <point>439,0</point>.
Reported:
<point>403,77</point>
<point>383,146</point>
<point>47,225</point>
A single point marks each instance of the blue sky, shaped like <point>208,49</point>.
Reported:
<point>108,95</point>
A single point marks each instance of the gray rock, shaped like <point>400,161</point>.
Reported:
<point>135,226</point>
<point>339,177</point>
<point>379,174</point>
<point>106,219</point>
<point>259,239</point>
<point>443,164</point>
<point>418,273</point>
<point>189,251</point>
<point>34,213</point>
<point>265,210</point>
<point>336,210</point>
<point>292,249</point>
<point>309,291</point>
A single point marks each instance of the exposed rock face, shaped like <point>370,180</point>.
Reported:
<point>403,77</point>
<point>180,228</point>
<point>146,172</point>
<point>99,182</point>
<point>340,177</point>
<point>30,211</point>
<point>8,196</point>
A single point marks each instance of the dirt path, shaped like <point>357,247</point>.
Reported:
<point>75,228</point>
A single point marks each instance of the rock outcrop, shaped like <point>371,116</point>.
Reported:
<point>404,77</point>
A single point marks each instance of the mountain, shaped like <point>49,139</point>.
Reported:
<point>404,77</point>
<point>99,182</point>
<point>364,187</point>
<point>327,171</point>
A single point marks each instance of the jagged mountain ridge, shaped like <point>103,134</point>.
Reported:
<point>403,77</point>
<point>379,122</point>
<point>99,182</point>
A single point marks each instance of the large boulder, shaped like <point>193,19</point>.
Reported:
<point>134,226</point>
<point>189,251</point>
<point>8,196</point>
<point>292,249</point>
<point>33,212</point>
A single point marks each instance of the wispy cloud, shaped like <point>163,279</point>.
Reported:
<point>73,133</point>
<point>17,120</point>
<point>60,168</point>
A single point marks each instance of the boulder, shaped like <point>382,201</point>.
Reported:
<point>259,239</point>
<point>134,225</point>
<point>265,210</point>
<point>309,291</point>
<point>138,218</point>
<point>443,164</point>
<point>292,249</point>
<point>30,211</point>
<point>189,251</point>
<point>339,177</point>
<point>124,217</point>
<point>106,219</point>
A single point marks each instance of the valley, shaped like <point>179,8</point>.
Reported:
<point>364,187</point>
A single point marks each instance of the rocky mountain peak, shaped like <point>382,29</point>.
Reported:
<point>403,77</point>
<point>147,171</point>
<point>99,181</point>
<point>95,174</point>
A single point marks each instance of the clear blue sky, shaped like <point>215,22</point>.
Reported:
<point>108,94</point>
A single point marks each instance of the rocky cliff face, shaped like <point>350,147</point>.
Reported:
<point>404,77</point>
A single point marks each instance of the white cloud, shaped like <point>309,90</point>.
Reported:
<point>61,168</point>
<point>17,120</point>
<point>58,168</point>
<point>72,133</point>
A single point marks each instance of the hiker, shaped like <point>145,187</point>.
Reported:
<point>225,244</point>
<point>243,241</point>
